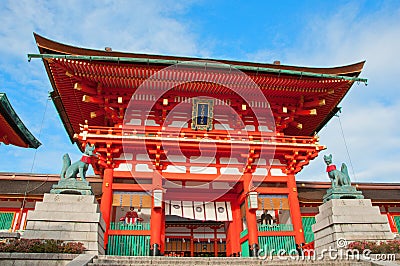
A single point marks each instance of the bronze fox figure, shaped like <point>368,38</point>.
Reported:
<point>71,170</point>
<point>338,178</point>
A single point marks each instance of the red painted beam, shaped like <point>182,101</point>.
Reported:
<point>131,187</point>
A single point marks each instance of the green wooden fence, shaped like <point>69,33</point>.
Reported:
<point>243,233</point>
<point>245,249</point>
<point>396,219</point>
<point>6,219</point>
<point>128,226</point>
<point>271,245</point>
<point>275,227</point>
<point>129,245</point>
<point>308,221</point>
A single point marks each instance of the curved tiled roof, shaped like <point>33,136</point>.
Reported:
<point>12,129</point>
<point>66,65</point>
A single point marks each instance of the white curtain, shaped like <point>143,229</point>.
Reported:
<point>205,211</point>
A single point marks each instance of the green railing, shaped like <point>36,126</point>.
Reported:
<point>275,227</point>
<point>127,226</point>
<point>308,221</point>
<point>6,219</point>
<point>129,245</point>
<point>396,219</point>
<point>271,244</point>
<point>243,233</point>
<point>274,244</point>
<point>245,249</point>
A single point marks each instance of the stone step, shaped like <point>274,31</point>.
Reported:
<point>172,264</point>
<point>338,263</point>
<point>184,261</point>
<point>219,261</point>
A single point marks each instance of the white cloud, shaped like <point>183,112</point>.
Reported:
<point>370,117</point>
<point>372,139</point>
<point>134,26</point>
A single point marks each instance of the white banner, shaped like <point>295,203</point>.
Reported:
<point>221,212</point>
<point>188,209</point>
<point>176,208</point>
<point>199,211</point>
<point>202,211</point>
<point>210,211</point>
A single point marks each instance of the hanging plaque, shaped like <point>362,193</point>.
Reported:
<point>202,114</point>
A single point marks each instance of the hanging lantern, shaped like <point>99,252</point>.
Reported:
<point>252,200</point>
<point>157,198</point>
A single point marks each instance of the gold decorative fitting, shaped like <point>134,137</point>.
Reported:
<point>86,99</point>
<point>77,86</point>
<point>313,112</point>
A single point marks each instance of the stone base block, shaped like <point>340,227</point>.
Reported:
<point>69,218</point>
<point>344,192</point>
<point>349,220</point>
<point>72,186</point>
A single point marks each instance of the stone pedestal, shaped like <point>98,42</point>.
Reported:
<point>72,186</point>
<point>71,218</point>
<point>343,192</point>
<point>349,219</point>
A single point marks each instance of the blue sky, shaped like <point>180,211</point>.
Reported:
<point>308,33</point>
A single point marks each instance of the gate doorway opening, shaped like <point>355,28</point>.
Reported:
<point>194,238</point>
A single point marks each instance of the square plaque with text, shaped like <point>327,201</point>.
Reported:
<point>202,114</point>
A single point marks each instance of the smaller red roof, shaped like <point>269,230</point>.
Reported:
<point>12,129</point>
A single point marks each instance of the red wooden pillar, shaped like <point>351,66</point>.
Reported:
<point>191,243</point>
<point>295,213</point>
<point>392,225</point>
<point>156,219</point>
<point>250,216</point>
<point>215,243</point>
<point>19,218</point>
<point>234,230</point>
<point>106,200</point>
<point>163,230</point>
<point>228,240</point>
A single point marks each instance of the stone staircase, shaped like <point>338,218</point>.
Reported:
<point>222,261</point>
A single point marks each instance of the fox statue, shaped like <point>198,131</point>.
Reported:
<point>71,170</point>
<point>338,178</point>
